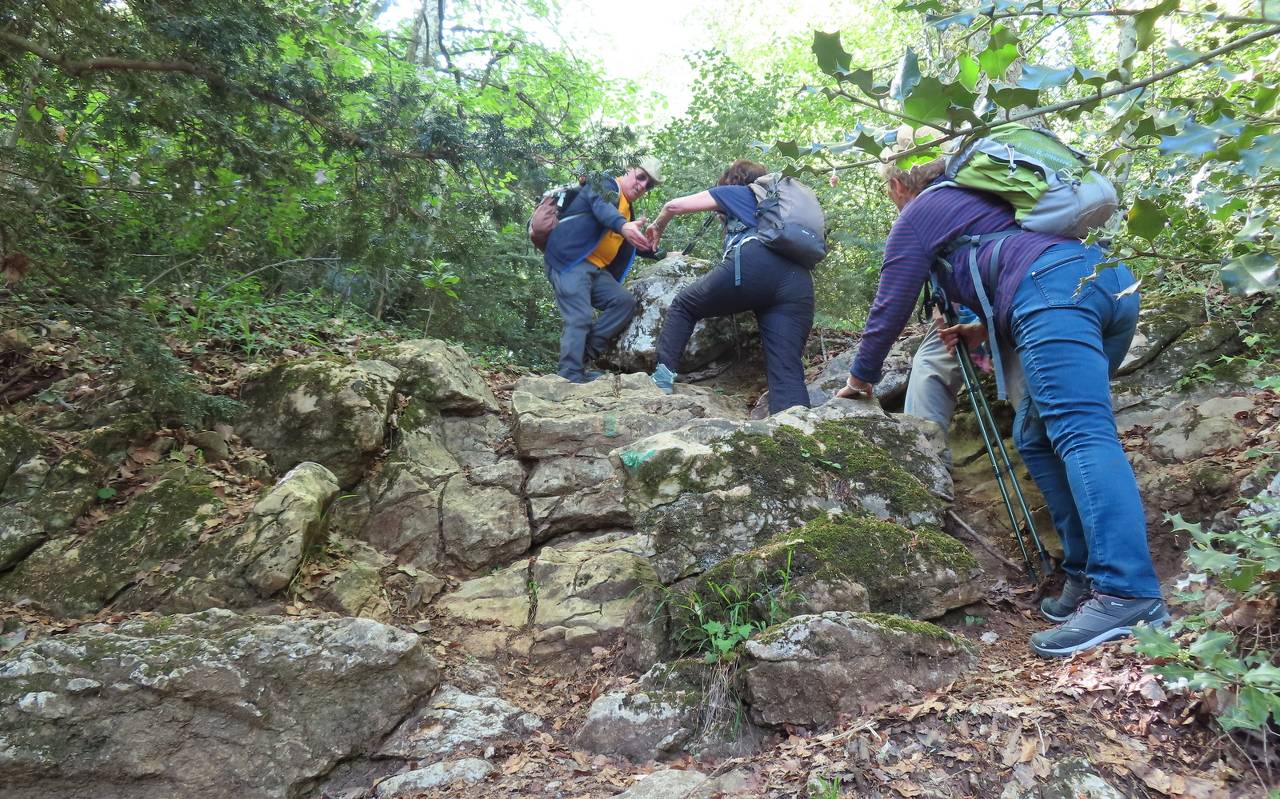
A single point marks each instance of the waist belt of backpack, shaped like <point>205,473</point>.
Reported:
<point>974,243</point>
<point>737,257</point>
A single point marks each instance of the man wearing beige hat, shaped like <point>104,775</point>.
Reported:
<point>588,256</point>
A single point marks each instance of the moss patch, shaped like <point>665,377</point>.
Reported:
<point>72,577</point>
<point>884,557</point>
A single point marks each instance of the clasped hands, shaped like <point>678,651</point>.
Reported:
<point>642,239</point>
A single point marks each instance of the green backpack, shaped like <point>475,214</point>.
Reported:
<point>1052,188</point>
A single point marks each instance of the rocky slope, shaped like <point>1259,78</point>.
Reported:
<point>345,615</point>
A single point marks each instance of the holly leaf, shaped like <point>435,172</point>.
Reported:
<point>927,103</point>
<point>1145,21</point>
<point>788,149</point>
<point>942,22</point>
<point>1193,140</point>
<point>1263,154</point>
<point>1145,219</point>
<point>969,70</point>
<point>1250,274</point>
<point>1038,77</point>
<point>908,76</point>
<point>1010,96</point>
<point>1180,55</point>
<point>1092,77</point>
<point>1264,97</point>
<point>830,53</point>
<point>1254,226</point>
<point>863,79</point>
<point>994,61</point>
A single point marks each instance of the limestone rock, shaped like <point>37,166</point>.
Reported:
<point>212,705</point>
<point>501,597</point>
<point>890,391</point>
<point>586,592</point>
<point>19,535</point>
<point>322,410</point>
<point>71,576</point>
<point>440,374</point>
<point>446,494</point>
<point>713,488</point>
<point>17,445</point>
<point>811,669</point>
<point>655,285</point>
<point>397,510</point>
<point>557,418</point>
<point>67,487</point>
<point>573,596</point>
<point>481,525</point>
<point>453,720</point>
<point>1191,429</point>
<point>354,586</point>
<point>569,430</point>
<point>468,770</point>
<point>665,784</point>
<point>285,524</point>
<point>240,566</point>
<point>652,719</point>
<point>848,563</point>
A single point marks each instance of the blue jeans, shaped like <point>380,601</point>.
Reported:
<point>579,289</point>
<point>1070,340</point>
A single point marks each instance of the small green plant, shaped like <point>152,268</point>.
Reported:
<point>1227,648</point>
<point>824,788</point>
<point>974,621</point>
<point>718,618</point>
<point>437,279</point>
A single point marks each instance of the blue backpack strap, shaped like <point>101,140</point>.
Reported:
<point>974,243</point>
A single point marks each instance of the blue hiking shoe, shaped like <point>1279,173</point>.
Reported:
<point>1074,594</point>
<point>1102,618</point>
<point>664,379</point>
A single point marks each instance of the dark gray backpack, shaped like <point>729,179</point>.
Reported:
<point>789,219</point>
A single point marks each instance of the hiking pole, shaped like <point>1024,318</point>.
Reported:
<point>1001,464</point>
<point>702,231</point>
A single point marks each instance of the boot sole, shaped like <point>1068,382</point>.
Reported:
<point>1101,638</point>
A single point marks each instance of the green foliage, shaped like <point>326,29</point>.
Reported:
<point>824,788</point>
<point>1227,648</point>
<point>715,621</point>
<point>1186,125</point>
<point>185,147</point>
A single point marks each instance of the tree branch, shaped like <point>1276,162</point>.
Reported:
<point>215,81</point>
<point>1243,41</point>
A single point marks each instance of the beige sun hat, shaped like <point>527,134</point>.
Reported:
<point>653,167</point>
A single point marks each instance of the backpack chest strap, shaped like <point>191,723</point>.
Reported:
<point>974,242</point>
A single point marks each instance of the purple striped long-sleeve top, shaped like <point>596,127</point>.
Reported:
<point>925,227</point>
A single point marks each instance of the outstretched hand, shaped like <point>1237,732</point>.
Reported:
<point>654,234</point>
<point>634,234</point>
<point>972,333</point>
<point>854,388</point>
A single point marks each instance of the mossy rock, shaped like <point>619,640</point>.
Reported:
<point>71,576</point>
<point>820,566</point>
<point>704,502</point>
<point>813,669</point>
<point>323,410</point>
<point>17,443</point>
<point>69,489</point>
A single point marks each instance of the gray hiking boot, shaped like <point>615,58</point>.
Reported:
<point>664,379</point>
<point>1102,618</point>
<point>1074,593</point>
